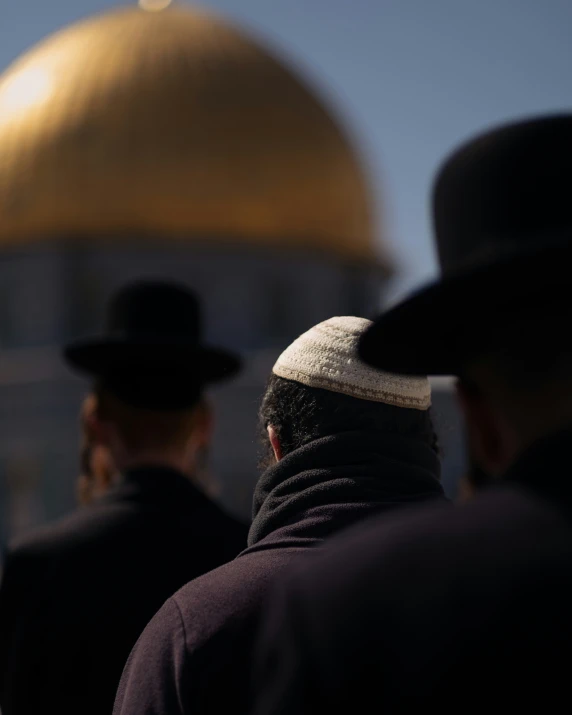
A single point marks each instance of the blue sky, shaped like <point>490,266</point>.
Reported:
<point>410,79</point>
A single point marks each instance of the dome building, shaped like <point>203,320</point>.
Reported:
<point>164,144</point>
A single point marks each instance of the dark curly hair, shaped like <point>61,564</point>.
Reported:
<point>300,414</point>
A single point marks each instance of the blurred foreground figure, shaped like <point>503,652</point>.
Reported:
<point>343,442</point>
<point>465,609</point>
<point>77,594</point>
<point>97,470</point>
<point>474,480</point>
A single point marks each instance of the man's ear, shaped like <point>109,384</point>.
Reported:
<point>484,430</point>
<point>204,424</point>
<point>98,431</point>
<point>275,442</point>
<point>103,467</point>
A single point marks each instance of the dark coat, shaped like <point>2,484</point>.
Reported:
<point>77,594</point>
<point>194,657</point>
<point>466,609</point>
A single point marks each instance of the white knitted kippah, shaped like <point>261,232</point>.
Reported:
<point>326,356</point>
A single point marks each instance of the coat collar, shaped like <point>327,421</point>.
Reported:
<point>156,484</point>
<point>334,481</point>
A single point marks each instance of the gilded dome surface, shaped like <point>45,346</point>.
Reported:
<point>173,123</point>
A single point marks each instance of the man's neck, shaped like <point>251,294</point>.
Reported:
<point>153,458</point>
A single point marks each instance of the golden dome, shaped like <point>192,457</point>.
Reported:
<point>173,123</point>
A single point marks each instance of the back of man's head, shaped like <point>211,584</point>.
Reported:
<point>300,414</point>
<point>503,227</point>
<point>319,388</point>
<point>151,367</point>
<point>520,389</point>
<point>139,435</point>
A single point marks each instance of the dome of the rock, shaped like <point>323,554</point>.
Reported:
<point>174,124</point>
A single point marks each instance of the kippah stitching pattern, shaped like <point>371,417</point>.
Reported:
<point>326,357</point>
<point>390,398</point>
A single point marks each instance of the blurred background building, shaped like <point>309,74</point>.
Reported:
<point>164,144</point>
<point>410,78</point>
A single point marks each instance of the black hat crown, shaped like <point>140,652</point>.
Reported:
<point>505,194</point>
<point>155,310</point>
<point>502,210</point>
<point>152,353</point>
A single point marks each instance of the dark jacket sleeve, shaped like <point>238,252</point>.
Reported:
<point>151,681</point>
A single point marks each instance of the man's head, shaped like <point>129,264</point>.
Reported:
<point>319,388</point>
<point>498,315</point>
<point>97,469</point>
<point>293,414</point>
<point>151,368</point>
<point>519,390</point>
<point>137,436</point>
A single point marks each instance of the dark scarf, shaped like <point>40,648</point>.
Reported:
<point>334,481</point>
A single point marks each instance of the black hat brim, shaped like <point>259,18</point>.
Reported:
<point>439,328</point>
<point>105,357</point>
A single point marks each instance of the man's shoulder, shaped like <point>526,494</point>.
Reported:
<point>505,526</point>
<point>228,595</point>
<point>504,511</point>
<point>80,527</point>
<point>231,587</point>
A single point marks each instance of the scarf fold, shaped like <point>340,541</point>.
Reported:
<point>336,480</point>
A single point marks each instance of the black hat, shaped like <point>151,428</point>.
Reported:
<point>502,211</point>
<point>152,354</point>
